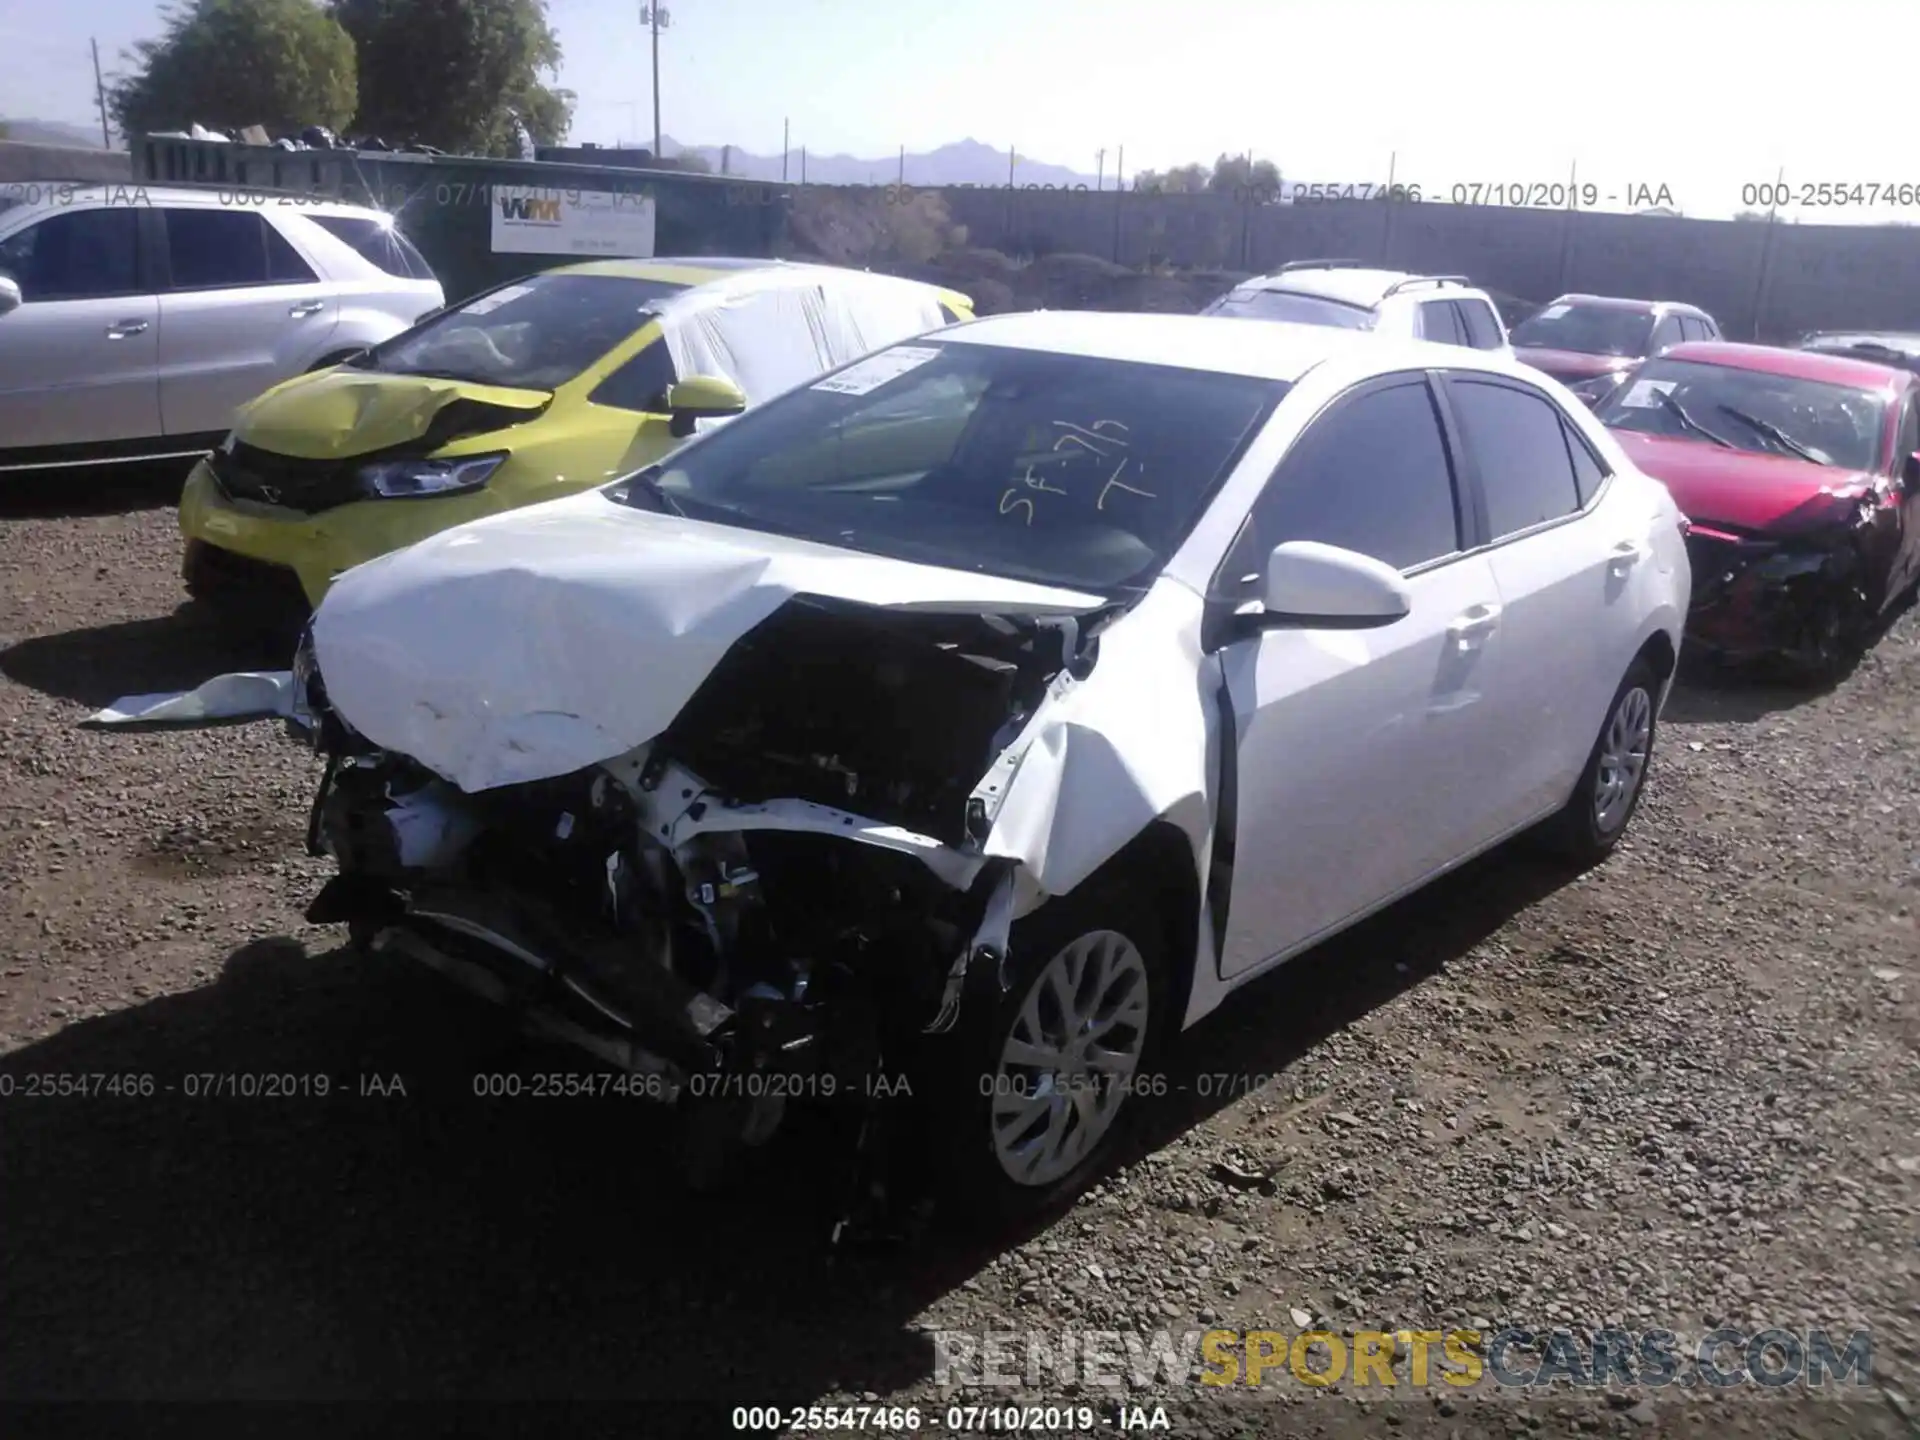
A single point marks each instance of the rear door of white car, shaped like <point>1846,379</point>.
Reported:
<point>242,311</point>
<point>1363,759</point>
<point>1564,545</point>
<point>78,359</point>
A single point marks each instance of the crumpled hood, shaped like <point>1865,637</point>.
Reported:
<point>1571,364</point>
<point>1740,488</point>
<point>530,644</point>
<point>344,411</point>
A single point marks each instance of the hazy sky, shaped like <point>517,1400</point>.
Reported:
<point>1699,96</point>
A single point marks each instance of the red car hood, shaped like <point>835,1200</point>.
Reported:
<point>1740,489</point>
<point>1571,364</point>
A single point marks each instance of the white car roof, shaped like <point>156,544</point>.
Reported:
<point>237,196</point>
<point>1352,285</point>
<point>1270,350</point>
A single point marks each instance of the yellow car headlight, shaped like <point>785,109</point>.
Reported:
<point>418,479</point>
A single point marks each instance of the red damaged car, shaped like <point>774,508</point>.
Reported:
<point>1798,475</point>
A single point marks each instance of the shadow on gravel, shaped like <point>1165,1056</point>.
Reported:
<point>140,657</point>
<point>429,1244</point>
<point>414,1245</point>
<point>92,490</point>
<point>1705,695</point>
<point>1274,1021</point>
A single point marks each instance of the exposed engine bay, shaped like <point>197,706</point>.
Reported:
<point>787,884</point>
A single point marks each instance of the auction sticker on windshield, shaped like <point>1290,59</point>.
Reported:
<point>486,304</point>
<point>1645,394</point>
<point>876,370</point>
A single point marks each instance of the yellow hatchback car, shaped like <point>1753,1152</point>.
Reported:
<point>530,391</point>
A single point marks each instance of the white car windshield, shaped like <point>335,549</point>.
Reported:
<point>1061,469</point>
<point>1587,330</point>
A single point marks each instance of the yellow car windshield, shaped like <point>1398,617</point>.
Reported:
<point>533,334</point>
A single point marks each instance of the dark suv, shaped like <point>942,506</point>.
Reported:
<point>1898,348</point>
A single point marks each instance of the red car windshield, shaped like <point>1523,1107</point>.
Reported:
<point>1751,410</point>
<point>1587,330</point>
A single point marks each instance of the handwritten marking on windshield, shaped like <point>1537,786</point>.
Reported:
<point>1113,483</point>
<point>1090,438</point>
<point>1032,482</point>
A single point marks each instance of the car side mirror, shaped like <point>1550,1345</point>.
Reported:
<point>10,297</point>
<point>702,397</point>
<point>1909,472</point>
<point>1326,587</point>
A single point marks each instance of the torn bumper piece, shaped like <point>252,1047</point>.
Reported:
<point>225,699</point>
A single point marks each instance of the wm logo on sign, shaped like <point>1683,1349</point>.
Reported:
<point>524,209</point>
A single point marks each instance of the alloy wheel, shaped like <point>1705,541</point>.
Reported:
<point>1064,1067</point>
<point>1624,749</point>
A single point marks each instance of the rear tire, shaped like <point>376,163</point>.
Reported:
<point>1608,792</point>
<point>1040,1085</point>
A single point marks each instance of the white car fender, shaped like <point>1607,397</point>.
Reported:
<point>1103,758</point>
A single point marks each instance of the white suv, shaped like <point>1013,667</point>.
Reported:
<point>134,319</point>
<point>1353,296</point>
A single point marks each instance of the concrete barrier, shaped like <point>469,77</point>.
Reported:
<point>21,162</point>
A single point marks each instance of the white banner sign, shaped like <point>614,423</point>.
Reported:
<point>541,220</point>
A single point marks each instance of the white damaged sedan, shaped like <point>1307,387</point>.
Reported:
<point>991,709</point>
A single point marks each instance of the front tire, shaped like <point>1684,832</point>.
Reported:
<point>1609,789</point>
<point>1047,1076</point>
<point>1834,638</point>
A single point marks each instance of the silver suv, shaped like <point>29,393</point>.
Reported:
<point>1354,295</point>
<point>134,319</point>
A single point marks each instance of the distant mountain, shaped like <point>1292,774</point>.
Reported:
<point>51,132</point>
<point>967,162</point>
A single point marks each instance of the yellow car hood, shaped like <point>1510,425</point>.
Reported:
<point>344,411</point>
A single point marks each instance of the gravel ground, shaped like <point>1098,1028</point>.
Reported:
<point>1677,1092</point>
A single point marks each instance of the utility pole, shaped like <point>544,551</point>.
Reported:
<point>100,97</point>
<point>786,147</point>
<point>903,165</point>
<point>1100,174</point>
<point>655,18</point>
<point>1120,170</point>
<point>1760,284</point>
<point>803,164</point>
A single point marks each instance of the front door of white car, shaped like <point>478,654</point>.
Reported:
<point>78,358</point>
<point>242,311</point>
<point>1363,760</point>
<point>1565,546</point>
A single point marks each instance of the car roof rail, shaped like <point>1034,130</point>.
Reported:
<point>1413,280</point>
<point>1323,265</point>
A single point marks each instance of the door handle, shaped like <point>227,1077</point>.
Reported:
<point>306,308</point>
<point>1626,555</point>
<point>1471,627</point>
<point>121,329</point>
